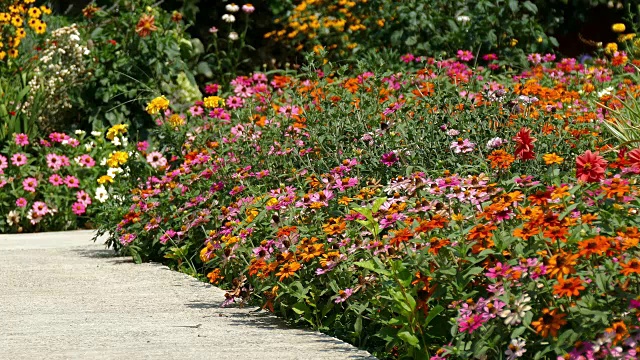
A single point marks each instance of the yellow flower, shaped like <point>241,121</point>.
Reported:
<point>35,12</point>
<point>514,42</point>
<point>157,104</point>
<point>117,158</point>
<point>611,48</point>
<point>553,158</point>
<point>213,102</point>
<point>3,54</point>
<point>618,27</point>
<point>13,53</point>
<point>457,217</point>
<point>176,120</point>
<point>17,21</point>
<point>105,178</point>
<point>116,130</point>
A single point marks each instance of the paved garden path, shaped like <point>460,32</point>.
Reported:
<point>64,297</point>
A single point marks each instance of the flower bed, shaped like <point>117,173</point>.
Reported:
<point>54,183</point>
<point>443,212</point>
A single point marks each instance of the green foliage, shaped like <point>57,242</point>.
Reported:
<point>129,69</point>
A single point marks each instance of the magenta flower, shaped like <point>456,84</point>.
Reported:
<point>56,180</point>
<point>143,146</point>
<point>3,164</point>
<point>470,323</point>
<point>30,184</point>
<point>72,181</point>
<point>21,139</point>
<point>389,158</point>
<point>211,89</point>
<point>78,208</point>
<point>21,202</point>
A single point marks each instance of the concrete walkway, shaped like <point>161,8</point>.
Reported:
<point>64,297</point>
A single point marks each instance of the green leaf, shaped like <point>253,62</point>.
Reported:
<point>518,331</point>
<point>513,5</point>
<point>433,313</point>
<point>358,325</point>
<point>409,338</point>
<point>530,6</point>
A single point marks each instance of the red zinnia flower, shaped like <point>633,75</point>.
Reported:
<point>590,167</point>
<point>524,144</point>
<point>634,157</point>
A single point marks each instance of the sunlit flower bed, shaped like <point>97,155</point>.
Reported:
<point>54,183</point>
<point>438,212</point>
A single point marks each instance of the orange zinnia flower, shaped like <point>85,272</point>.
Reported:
<point>597,245</point>
<point>401,236</point>
<point>630,267</point>
<point>288,269</point>
<point>335,226</point>
<point>556,233</point>
<point>569,287</point>
<point>549,323</point>
<point>561,264</point>
<point>500,159</point>
<point>214,276</point>
<point>146,25</point>
<point>619,328</point>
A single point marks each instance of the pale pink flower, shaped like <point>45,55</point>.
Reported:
<point>19,159</point>
<point>30,184</point>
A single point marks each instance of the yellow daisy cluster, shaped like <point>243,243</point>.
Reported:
<point>117,158</point>
<point>317,24</point>
<point>117,130</point>
<point>12,24</point>
<point>213,102</point>
<point>157,104</point>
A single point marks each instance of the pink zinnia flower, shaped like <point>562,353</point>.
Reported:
<point>72,181</point>
<point>83,198</point>
<point>87,161</point>
<point>21,139</point>
<point>29,184</point>
<point>248,8</point>
<point>21,202</point>
<point>56,180</point>
<point>344,295</point>
<point>39,208</point>
<point>19,159</point>
<point>235,102</point>
<point>464,55</point>
<point>78,208</point>
<point>53,161</point>
<point>3,164</point>
<point>196,110</point>
<point>127,239</point>
<point>155,159</point>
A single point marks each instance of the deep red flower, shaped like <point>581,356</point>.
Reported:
<point>524,144</point>
<point>634,157</point>
<point>590,167</point>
